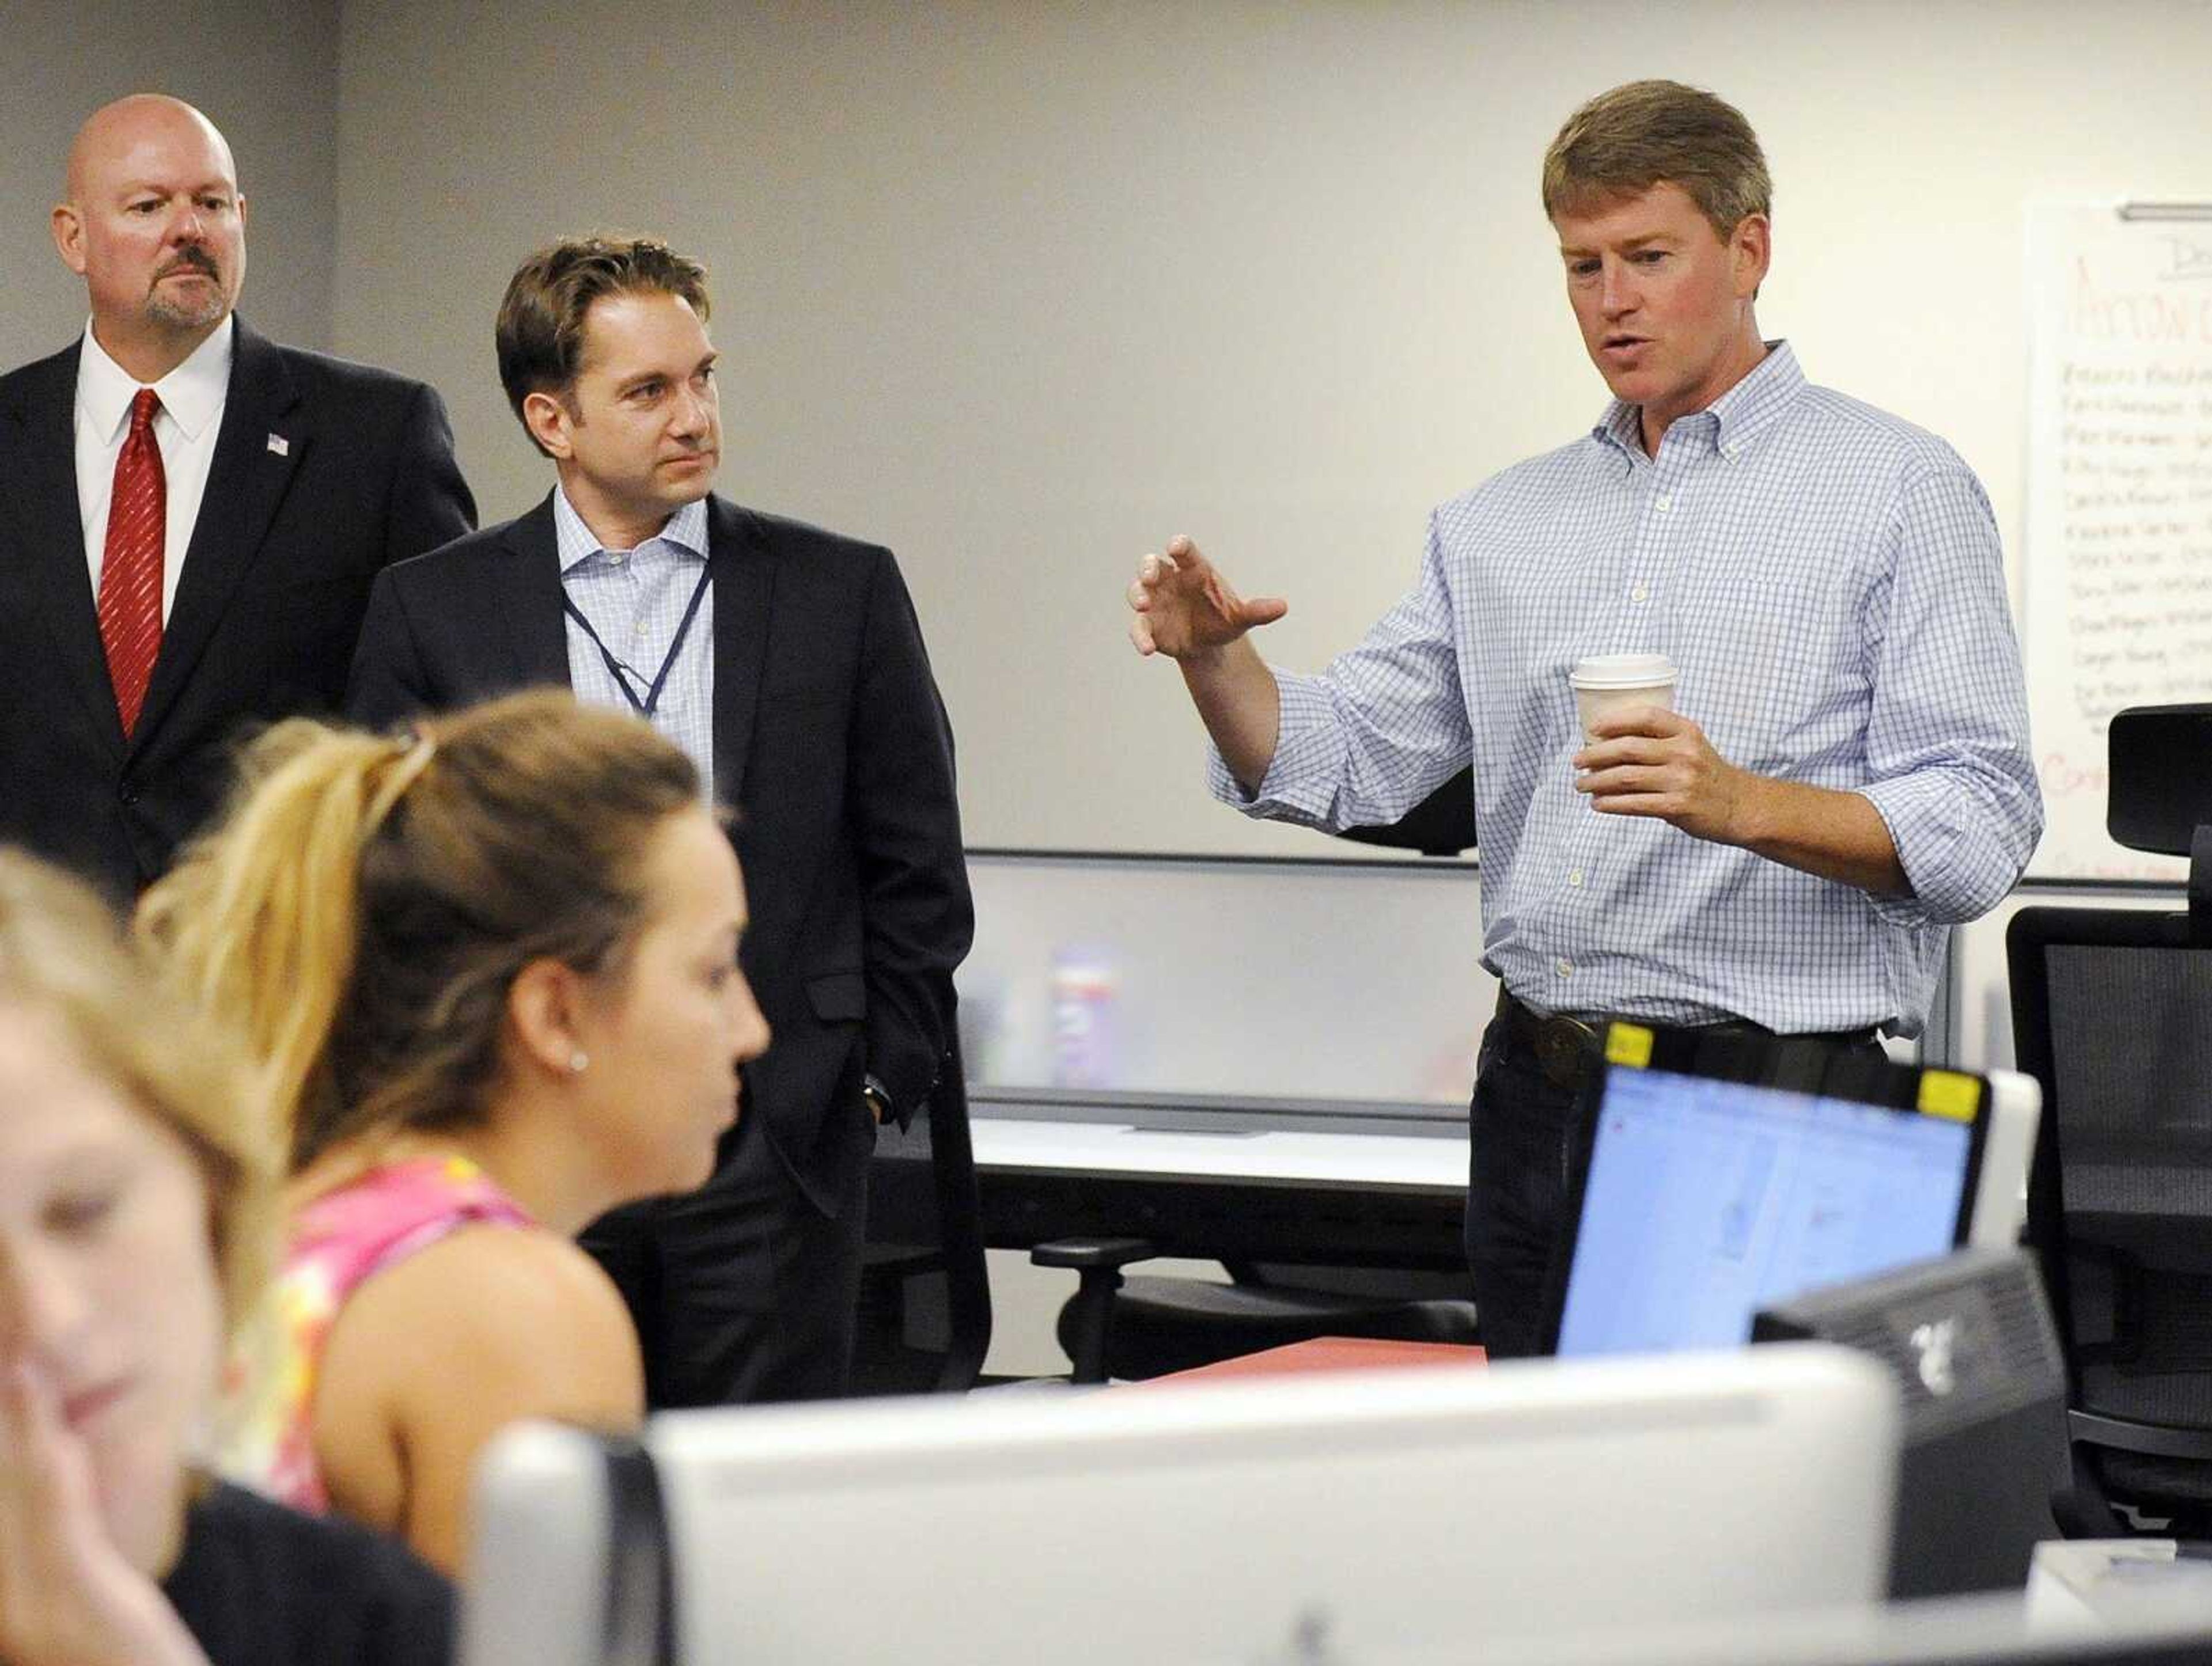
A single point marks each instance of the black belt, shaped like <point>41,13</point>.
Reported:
<point>1566,1046</point>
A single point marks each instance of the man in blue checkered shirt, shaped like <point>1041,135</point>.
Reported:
<point>1846,772</point>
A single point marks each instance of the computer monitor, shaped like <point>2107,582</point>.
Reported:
<point>1384,1509</point>
<point>1969,1341</point>
<point>1723,1175</point>
<point>1981,1630</point>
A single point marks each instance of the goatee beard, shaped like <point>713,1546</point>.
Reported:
<point>176,314</point>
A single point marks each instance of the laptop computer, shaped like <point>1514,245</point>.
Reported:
<point>1727,1173</point>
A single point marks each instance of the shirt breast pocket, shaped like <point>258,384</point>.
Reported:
<point>1761,664</point>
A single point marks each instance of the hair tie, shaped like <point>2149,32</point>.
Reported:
<point>416,747</point>
<point>412,749</point>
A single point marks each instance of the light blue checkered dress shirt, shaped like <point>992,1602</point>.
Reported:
<point>635,599</point>
<point>1829,583</point>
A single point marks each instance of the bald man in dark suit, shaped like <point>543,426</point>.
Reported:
<point>191,515</point>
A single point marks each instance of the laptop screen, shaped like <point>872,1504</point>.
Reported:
<point>1707,1200</point>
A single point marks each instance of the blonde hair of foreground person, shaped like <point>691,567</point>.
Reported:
<point>508,936</point>
<point>133,1217</point>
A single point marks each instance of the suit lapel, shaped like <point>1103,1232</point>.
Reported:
<point>44,529</point>
<point>744,588</point>
<point>528,580</point>
<point>247,481</point>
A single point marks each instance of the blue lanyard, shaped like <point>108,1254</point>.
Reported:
<point>622,673</point>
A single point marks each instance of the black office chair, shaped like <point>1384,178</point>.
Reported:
<point>1442,824</point>
<point>925,1320</point>
<point>1145,1326</point>
<point>1130,1328</point>
<point>2113,1014</point>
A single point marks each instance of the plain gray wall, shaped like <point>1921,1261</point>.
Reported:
<point>265,73</point>
<point>1023,289</point>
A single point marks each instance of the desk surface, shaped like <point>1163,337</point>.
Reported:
<point>1323,1354</point>
<point>1426,1163</point>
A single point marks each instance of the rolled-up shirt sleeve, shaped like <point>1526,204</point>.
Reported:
<point>1950,765</point>
<point>1360,744</point>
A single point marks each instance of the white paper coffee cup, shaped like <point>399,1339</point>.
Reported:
<point>1607,682</point>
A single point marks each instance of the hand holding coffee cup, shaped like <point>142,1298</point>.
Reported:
<point>1661,765</point>
<point>1611,682</point>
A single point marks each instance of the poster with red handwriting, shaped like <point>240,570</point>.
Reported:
<point>2117,602</point>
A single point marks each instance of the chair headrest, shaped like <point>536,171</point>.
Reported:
<point>2159,769</point>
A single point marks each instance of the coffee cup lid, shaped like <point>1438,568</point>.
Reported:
<point>1622,671</point>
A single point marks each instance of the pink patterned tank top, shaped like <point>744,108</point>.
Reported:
<point>338,1241</point>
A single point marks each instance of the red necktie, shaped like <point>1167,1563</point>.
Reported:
<point>130,573</point>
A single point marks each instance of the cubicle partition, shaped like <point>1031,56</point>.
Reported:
<point>1259,988</point>
<point>1246,1057</point>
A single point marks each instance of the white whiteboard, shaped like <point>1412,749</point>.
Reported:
<point>2119,591</point>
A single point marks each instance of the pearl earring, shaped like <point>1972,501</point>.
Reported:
<point>579,1061</point>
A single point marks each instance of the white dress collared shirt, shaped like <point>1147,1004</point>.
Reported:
<point>636,600</point>
<point>193,398</point>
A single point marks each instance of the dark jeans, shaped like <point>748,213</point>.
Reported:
<point>1520,1165</point>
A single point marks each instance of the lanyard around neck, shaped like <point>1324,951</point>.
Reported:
<point>622,673</point>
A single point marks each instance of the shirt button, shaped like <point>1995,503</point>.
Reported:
<point>1639,594</point>
<point>1574,878</point>
<point>1664,502</point>
<point>638,629</point>
<point>1566,969</point>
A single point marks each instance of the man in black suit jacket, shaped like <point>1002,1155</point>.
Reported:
<point>786,660</point>
<point>288,480</point>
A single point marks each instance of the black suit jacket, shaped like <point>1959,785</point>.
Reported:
<point>829,740</point>
<point>324,471</point>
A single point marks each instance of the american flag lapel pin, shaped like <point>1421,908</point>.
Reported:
<point>279,445</point>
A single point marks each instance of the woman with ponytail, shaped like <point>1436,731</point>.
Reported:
<point>489,972</point>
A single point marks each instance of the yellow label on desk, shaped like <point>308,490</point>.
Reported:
<point>1628,1043</point>
<point>1948,1094</point>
